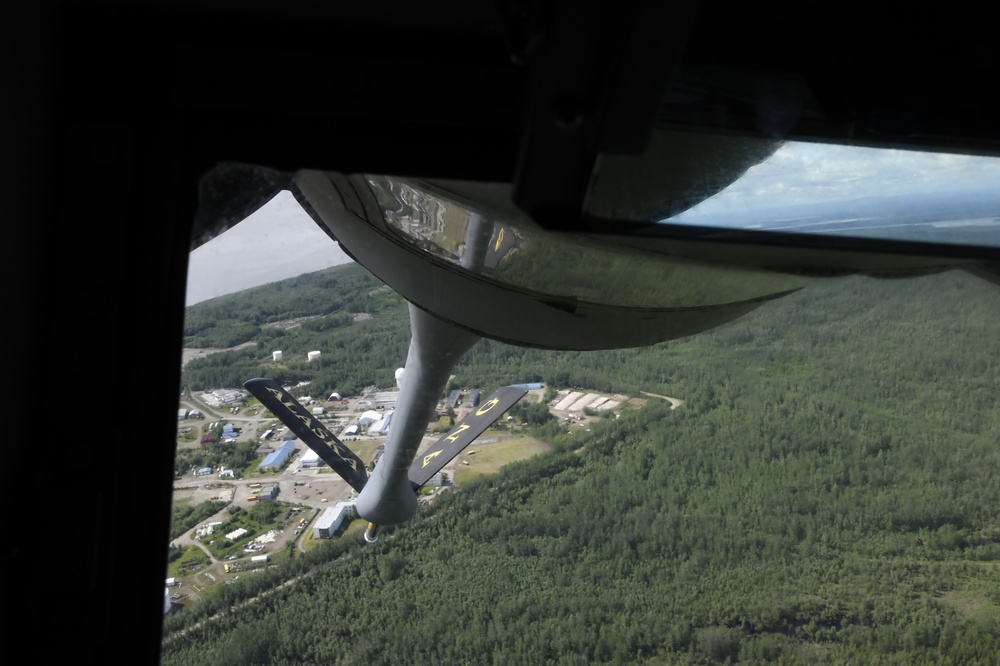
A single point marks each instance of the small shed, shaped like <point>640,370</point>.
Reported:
<point>473,400</point>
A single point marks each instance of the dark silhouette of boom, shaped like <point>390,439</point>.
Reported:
<point>389,495</point>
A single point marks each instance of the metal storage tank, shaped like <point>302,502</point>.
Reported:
<point>276,355</point>
<point>313,355</point>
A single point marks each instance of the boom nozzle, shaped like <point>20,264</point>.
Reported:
<point>371,534</point>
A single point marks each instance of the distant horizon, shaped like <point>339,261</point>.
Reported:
<point>277,242</point>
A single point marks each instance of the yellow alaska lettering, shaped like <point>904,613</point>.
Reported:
<point>344,453</point>
<point>321,433</point>
<point>487,407</point>
<point>291,407</point>
<point>431,456</point>
<point>340,454</point>
<point>453,436</point>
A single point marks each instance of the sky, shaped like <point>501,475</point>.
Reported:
<point>799,173</point>
<point>277,242</point>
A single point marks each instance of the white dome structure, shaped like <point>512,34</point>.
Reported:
<point>276,355</point>
<point>399,377</point>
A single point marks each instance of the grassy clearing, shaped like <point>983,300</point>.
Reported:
<point>364,449</point>
<point>191,560</point>
<point>357,525</point>
<point>973,605</point>
<point>489,458</point>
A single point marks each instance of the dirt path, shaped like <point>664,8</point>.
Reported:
<point>674,402</point>
<point>188,355</point>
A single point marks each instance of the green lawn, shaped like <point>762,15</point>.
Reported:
<point>488,458</point>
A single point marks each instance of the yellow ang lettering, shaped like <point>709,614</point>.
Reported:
<point>430,456</point>
<point>453,436</point>
<point>487,407</point>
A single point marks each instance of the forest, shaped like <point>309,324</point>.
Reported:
<point>829,492</point>
<point>359,325</point>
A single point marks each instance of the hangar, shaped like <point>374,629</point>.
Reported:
<point>277,458</point>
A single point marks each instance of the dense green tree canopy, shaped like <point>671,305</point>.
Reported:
<point>827,494</point>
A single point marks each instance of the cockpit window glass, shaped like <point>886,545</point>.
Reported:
<point>876,193</point>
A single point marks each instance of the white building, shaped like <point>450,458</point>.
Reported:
<point>381,427</point>
<point>236,534</point>
<point>384,399</point>
<point>369,417</point>
<point>310,459</point>
<point>328,524</point>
